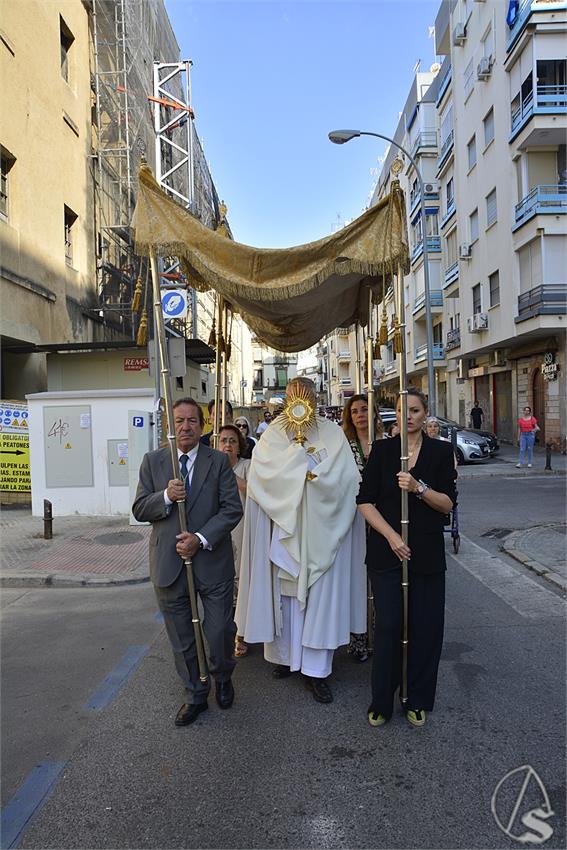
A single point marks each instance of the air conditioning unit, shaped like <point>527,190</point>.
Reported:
<point>465,251</point>
<point>459,35</point>
<point>484,68</point>
<point>497,358</point>
<point>431,188</point>
<point>478,322</point>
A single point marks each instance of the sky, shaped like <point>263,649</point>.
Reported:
<point>271,79</point>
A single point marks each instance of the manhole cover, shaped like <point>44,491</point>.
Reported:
<point>118,538</point>
<point>497,532</point>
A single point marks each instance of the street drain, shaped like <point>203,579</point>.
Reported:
<point>497,532</point>
<point>118,538</point>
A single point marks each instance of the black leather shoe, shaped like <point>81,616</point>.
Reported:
<point>319,688</point>
<point>189,713</point>
<point>281,672</point>
<point>224,693</point>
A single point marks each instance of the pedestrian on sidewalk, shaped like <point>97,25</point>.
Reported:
<point>430,483</point>
<point>476,416</point>
<point>527,430</point>
<point>206,483</point>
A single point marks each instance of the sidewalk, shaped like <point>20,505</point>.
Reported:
<point>541,549</point>
<point>504,464</point>
<point>94,551</point>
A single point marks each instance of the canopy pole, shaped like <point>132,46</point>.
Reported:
<point>163,366</point>
<point>357,381</point>
<point>224,364</point>
<point>216,417</point>
<point>370,384</point>
<point>401,313</point>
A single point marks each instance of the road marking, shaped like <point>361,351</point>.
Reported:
<point>28,800</point>
<point>517,590</point>
<point>110,686</point>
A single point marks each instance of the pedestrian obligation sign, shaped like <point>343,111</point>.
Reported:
<point>174,303</point>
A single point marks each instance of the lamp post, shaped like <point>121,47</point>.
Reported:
<point>339,137</point>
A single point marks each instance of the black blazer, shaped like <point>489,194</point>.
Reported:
<point>436,467</point>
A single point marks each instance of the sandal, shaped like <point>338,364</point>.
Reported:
<point>240,648</point>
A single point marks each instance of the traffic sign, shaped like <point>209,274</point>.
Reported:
<point>174,303</point>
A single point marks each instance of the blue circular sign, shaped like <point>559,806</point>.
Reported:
<point>174,303</point>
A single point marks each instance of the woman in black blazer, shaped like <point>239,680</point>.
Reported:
<point>430,483</point>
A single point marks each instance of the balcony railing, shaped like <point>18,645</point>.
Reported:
<point>547,299</point>
<point>446,148</point>
<point>435,300</point>
<point>443,86</point>
<point>451,210</point>
<point>550,100</point>
<point>524,11</point>
<point>433,247</point>
<point>551,200</point>
<point>453,339</point>
<point>390,367</point>
<point>425,139</point>
<point>421,352</point>
<point>451,274</point>
<point>343,355</point>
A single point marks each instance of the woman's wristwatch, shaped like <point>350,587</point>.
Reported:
<point>422,489</point>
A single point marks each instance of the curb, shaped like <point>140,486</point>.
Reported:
<point>509,546</point>
<point>504,473</point>
<point>55,580</point>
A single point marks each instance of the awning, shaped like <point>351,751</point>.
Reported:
<point>289,297</point>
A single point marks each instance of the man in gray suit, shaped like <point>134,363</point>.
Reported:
<point>213,508</point>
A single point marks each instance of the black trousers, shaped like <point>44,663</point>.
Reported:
<point>218,626</point>
<point>425,635</point>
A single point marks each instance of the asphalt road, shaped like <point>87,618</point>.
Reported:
<point>279,770</point>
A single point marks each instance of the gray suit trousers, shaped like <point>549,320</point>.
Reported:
<point>218,626</point>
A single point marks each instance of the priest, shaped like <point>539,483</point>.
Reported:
<point>302,587</point>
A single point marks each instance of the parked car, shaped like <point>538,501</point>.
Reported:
<point>471,445</point>
<point>491,439</point>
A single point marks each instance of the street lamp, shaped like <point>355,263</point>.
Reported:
<point>340,137</point>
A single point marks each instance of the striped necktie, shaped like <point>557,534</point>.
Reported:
<point>185,473</point>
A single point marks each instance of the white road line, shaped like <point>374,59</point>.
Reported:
<point>516,589</point>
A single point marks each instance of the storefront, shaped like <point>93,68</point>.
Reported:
<point>540,377</point>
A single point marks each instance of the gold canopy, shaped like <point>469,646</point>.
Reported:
<point>289,297</point>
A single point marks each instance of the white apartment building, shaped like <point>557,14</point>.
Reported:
<point>489,135</point>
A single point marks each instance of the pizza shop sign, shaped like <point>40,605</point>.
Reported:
<point>135,364</point>
<point>549,368</point>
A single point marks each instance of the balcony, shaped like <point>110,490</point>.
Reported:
<point>343,331</point>
<point>435,300</point>
<point>391,367</point>
<point>345,382</point>
<point>420,352</point>
<point>549,100</point>
<point>453,339</point>
<point>542,200</point>
<point>425,139</point>
<point>451,274</point>
<point>444,85</point>
<point>545,300</point>
<point>433,247</point>
<point>446,149</point>
<point>344,356</point>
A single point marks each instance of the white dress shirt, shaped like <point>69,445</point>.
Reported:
<point>191,458</point>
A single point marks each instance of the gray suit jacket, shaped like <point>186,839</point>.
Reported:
<point>213,509</point>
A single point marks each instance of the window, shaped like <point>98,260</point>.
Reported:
<point>452,247</point>
<point>450,194</point>
<point>7,161</point>
<point>438,333</point>
<point>488,124</point>
<point>469,78</point>
<point>494,288</point>
<point>488,44</point>
<point>491,208</point>
<point>446,124</point>
<point>471,152</point>
<point>473,226</point>
<point>432,223</point>
<point>66,38</point>
<point>70,219</point>
<point>476,299</point>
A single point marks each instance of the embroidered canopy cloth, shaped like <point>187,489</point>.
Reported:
<point>289,297</point>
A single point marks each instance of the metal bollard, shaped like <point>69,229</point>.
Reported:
<point>47,520</point>
<point>548,456</point>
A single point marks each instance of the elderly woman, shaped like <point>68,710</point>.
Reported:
<point>355,427</point>
<point>232,443</point>
<point>243,426</point>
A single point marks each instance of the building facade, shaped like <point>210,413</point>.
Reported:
<point>488,132</point>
